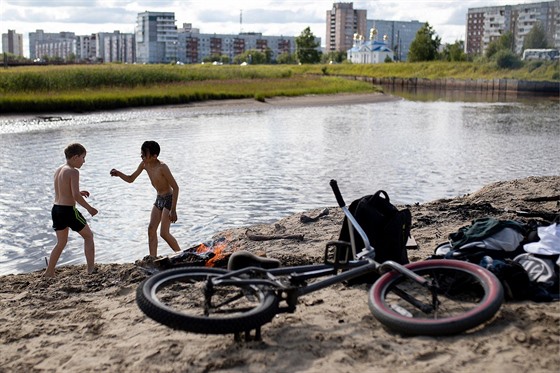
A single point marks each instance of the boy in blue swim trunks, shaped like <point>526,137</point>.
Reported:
<point>65,216</point>
<point>164,210</point>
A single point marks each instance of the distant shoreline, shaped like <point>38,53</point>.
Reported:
<point>240,104</point>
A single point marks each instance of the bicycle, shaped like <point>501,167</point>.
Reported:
<point>431,297</point>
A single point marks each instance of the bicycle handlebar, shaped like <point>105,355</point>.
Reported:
<point>337,194</point>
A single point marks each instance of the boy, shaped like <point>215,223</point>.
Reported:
<point>64,213</point>
<point>164,210</point>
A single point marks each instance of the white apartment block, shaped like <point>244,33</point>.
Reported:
<point>156,37</point>
<point>486,24</point>
<point>60,44</point>
<point>12,43</point>
<point>116,47</point>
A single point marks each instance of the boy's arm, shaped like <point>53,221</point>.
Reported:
<point>171,180</point>
<point>129,178</point>
<point>77,194</point>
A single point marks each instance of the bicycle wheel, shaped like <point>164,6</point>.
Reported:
<point>177,298</point>
<point>467,295</point>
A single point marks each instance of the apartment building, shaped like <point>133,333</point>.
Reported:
<point>486,24</point>
<point>343,21</point>
<point>116,47</point>
<point>194,46</point>
<point>61,44</point>
<point>398,35</point>
<point>12,43</point>
<point>156,37</point>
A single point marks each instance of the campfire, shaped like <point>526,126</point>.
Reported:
<point>216,252</point>
<point>209,254</point>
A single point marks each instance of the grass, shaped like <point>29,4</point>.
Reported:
<point>112,86</point>
<point>107,98</point>
<point>439,70</point>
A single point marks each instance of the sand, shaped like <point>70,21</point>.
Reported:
<point>80,323</point>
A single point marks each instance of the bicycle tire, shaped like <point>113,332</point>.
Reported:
<point>469,295</point>
<point>175,298</point>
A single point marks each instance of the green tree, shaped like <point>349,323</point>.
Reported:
<point>503,42</point>
<point>251,57</point>
<point>306,47</point>
<point>506,59</point>
<point>334,56</point>
<point>425,45</point>
<point>454,52</point>
<point>286,58</point>
<point>536,38</point>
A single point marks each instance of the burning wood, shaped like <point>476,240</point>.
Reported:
<point>210,254</point>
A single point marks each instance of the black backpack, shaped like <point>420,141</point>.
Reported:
<point>386,227</point>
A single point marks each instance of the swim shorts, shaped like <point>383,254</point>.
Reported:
<point>164,201</point>
<point>67,216</point>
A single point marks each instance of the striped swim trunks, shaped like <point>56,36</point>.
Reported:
<point>67,216</point>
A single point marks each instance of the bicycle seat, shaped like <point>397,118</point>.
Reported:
<point>243,259</point>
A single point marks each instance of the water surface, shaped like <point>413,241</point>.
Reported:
<point>240,167</point>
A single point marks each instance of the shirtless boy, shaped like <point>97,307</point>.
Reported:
<point>64,213</point>
<point>164,210</point>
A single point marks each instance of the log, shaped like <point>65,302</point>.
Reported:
<point>543,199</point>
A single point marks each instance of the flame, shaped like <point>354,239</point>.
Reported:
<point>217,248</point>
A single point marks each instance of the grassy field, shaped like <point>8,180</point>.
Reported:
<point>113,86</point>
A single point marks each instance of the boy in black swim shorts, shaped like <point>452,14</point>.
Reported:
<point>65,216</point>
<point>164,210</point>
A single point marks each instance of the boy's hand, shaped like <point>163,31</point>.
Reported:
<point>114,172</point>
<point>84,193</point>
<point>172,216</point>
<point>93,211</point>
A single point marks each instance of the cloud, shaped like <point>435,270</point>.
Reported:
<point>52,4</point>
<point>72,15</point>
<point>259,16</point>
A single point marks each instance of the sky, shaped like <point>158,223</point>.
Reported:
<point>273,18</point>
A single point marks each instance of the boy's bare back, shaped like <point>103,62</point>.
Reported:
<point>63,185</point>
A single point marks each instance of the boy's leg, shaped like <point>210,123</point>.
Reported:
<point>61,240</point>
<point>155,219</point>
<point>89,247</point>
<point>164,231</point>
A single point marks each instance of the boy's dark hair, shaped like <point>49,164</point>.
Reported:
<point>151,147</point>
<point>74,149</point>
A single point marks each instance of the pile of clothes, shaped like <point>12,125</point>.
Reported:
<point>524,256</point>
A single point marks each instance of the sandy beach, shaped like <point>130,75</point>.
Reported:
<point>80,323</point>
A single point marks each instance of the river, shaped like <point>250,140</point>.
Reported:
<point>238,167</point>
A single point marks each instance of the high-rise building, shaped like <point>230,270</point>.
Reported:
<point>156,37</point>
<point>12,43</point>
<point>194,47</point>
<point>343,21</point>
<point>486,24</point>
<point>397,34</point>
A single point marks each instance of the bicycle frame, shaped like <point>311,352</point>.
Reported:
<point>336,271</point>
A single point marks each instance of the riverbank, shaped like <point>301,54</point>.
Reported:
<point>79,323</point>
<point>88,88</point>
